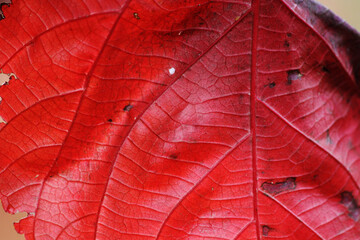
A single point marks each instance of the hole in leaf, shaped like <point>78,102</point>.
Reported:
<point>2,3</point>
<point>293,75</point>
<point>128,107</point>
<point>6,77</point>
<point>136,15</point>
<point>265,230</point>
<point>272,85</point>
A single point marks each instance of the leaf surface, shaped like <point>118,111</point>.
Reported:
<point>191,119</point>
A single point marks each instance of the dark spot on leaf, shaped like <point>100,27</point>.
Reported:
<point>241,98</point>
<point>357,74</point>
<point>109,120</point>
<point>279,187</point>
<point>286,43</point>
<point>328,138</point>
<point>128,107</point>
<point>272,85</point>
<point>289,34</point>
<point>348,99</point>
<point>229,6</point>
<point>293,75</point>
<point>325,69</point>
<point>51,176</point>
<point>173,156</point>
<point>265,230</point>
<point>348,200</point>
<point>136,15</point>
<point>2,3</point>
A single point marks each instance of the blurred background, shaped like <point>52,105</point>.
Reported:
<point>347,9</point>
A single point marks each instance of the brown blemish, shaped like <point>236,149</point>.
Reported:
<point>265,230</point>
<point>6,77</point>
<point>328,138</point>
<point>229,6</point>
<point>110,120</point>
<point>289,34</point>
<point>325,69</point>
<point>136,15</point>
<point>348,100</point>
<point>128,107</point>
<point>279,187</point>
<point>286,43</point>
<point>293,75</point>
<point>2,3</point>
<point>173,156</point>
<point>348,200</point>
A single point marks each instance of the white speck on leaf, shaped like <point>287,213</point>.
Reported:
<point>2,120</point>
<point>172,71</point>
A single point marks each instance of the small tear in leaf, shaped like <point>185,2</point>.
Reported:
<point>2,120</point>
<point>2,3</point>
<point>6,77</point>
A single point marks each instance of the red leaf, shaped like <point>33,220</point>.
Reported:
<point>180,120</point>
